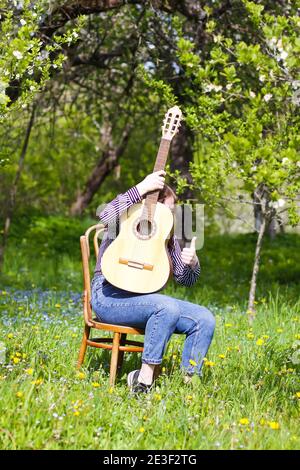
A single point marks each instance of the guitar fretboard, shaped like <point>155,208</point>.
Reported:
<point>160,163</point>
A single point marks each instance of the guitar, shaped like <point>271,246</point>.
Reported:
<point>137,260</point>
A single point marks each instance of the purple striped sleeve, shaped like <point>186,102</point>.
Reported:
<point>117,206</point>
<point>183,273</point>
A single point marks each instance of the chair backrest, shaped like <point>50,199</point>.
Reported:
<point>85,254</point>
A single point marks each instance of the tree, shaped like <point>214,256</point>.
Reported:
<point>244,103</point>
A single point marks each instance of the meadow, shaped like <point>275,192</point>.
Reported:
<point>248,397</point>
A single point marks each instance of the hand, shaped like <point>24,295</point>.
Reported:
<point>154,181</point>
<point>188,255</point>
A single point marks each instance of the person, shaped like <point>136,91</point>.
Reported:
<point>160,315</point>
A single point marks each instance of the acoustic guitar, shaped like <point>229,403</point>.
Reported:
<point>137,260</point>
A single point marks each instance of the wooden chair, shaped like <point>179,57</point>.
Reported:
<point>118,344</point>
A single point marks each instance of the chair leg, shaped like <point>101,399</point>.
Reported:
<point>114,359</point>
<point>121,353</point>
<point>83,346</point>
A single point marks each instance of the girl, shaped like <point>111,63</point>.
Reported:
<point>158,314</point>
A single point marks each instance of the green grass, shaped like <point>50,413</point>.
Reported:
<point>248,397</point>
<point>46,404</point>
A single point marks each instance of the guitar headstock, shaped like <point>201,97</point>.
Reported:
<point>171,123</point>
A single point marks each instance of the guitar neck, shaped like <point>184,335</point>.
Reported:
<point>160,163</point>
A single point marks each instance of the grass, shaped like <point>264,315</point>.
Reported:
<point>248,397</point>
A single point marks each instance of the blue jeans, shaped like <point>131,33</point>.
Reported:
<point>160,316</point>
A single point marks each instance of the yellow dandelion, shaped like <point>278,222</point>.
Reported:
<point>95,384</point>
<point>76,413</point>
<point>81,375</point>
<point>18,354</point>
<point>228,325</point>
<point>262,421</point>
<point>221,356</point>
<point>29,371</point>
<point>297,336</point>
<point>174,356</point>
<point>157,396</point>
<point>74,335</point>
<point>244,421</point>
<point>279,330</point>
<point>57,305</point>
<point>10,335</point>
<point>260,342</point>
<point>274,425</point>
<point>19,394</point>
<point>16,360</point>
<point>142,429</point>
<point>193,363</point>
<point>163,369</point>
<point>297,394</point>
<point>210,363</point>
<point>57,337</point>
<point>250,335</point>
<point>24,355</point>
<point>37,382</point>
<point>265,336</point>
<point>111,390</point>
<point>189,397</point>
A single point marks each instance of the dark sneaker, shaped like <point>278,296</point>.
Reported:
<point>136,386</point>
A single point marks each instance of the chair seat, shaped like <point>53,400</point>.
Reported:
<point>118,328</point>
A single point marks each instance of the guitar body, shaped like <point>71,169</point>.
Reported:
<point>136,262</point>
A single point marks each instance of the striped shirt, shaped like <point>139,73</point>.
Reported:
<point>183,273</point>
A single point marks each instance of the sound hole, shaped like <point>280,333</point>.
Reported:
<point>144,229</point>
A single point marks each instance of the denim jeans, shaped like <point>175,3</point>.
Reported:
<point>160,316</point>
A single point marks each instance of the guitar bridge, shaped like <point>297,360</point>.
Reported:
<point>136,264</point>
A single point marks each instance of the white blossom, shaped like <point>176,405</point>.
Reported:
<point>210,86</point>
<point>267,97</point>
<point>252,94</point>
<point>277,204</point>
<point>262,78</point>
<point>22,21</point>
<point>285,161</point>
<point>18,54</point>
<point>283,55</point>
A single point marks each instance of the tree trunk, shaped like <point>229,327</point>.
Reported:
<point>272,225</point>
<point>108,161</point>
<point>13,191</point>
<point>251,302</point>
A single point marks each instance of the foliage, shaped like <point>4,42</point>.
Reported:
<point>242,100</point>
<point>24,56</point>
